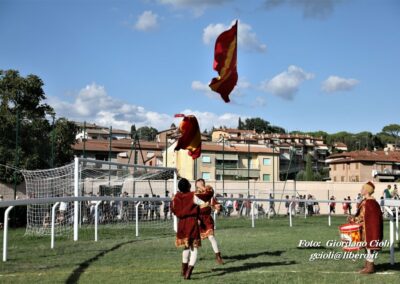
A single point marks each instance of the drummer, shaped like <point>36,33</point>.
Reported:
<point>369,215</point>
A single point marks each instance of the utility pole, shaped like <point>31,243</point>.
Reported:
<point>166,159</point>
<point>109,157</point>
<point>84,139</point>
<point>273,171</point>
<point>16,162</point>
<point>248,168</point>
<point>53,134</point>
<point>223,164</point>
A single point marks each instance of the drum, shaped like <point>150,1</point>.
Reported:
<point>350,234</point>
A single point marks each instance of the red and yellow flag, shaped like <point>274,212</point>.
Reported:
<point>190,138</point>
<point>225,62</point>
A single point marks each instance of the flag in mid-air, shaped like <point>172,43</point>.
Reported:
<point>190,138</point>
<point>225,61</point>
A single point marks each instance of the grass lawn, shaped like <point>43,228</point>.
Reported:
<point>267,253</point>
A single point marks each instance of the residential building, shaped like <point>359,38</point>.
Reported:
<point>361,166</point>
<point>122,151</point>
<point>91,131</point>
<point>339,147</point>
<point>229,161</point>
<point>293,148</point>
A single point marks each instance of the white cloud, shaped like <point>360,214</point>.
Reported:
<point>260,102</point>
<point>147,21</point>
<point>208,119</point>
<point>336,84</point>
<point>287,83</point>
<point>317,9</point>
<point>199,86</point>
<point>196,6</point>
<point>247,39</point>
<point>93,104</point>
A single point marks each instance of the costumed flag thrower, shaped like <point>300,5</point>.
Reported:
<point>190,138</point>
<point>225,63</point>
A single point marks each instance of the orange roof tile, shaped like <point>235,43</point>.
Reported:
<point>367,156</point>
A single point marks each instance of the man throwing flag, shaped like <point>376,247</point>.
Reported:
<point>205,194</point>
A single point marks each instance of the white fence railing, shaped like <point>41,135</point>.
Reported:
<point>389,206</point>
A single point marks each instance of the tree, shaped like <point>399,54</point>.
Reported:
<point>276,129</point>
<point>64,136</point>
<point>147,133</point>
<point>309,175</point>
<point>133,131</point>
<point>381,139</point>
<point>392,130</point>
<point>240,124</point>
<point>300,176</point>
<point>258,124</point>
<point>22,108</point>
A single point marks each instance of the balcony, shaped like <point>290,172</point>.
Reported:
<point>241,172</point>
<point>227,166</point>
<point>386,175</point>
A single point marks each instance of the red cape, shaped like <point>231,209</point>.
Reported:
<point>373,224</point>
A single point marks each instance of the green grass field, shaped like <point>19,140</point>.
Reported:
<point>267,253</point>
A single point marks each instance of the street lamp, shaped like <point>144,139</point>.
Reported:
<point>273,168</point>
<point>273,171</point>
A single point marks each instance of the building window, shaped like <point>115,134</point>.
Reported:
<point>334,179</point>
<point>344,166</point>
<point>266,177</point>
<point>342,178</point>
<point>334,167</point>
<point>357,179</point>
<point>206,176</point>
<point>206,159</point>
<point>266,161</point>
<point>356,166</point>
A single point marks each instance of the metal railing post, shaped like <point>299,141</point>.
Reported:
<point>397,223</point>
<point>5,232</point>
<point>252,214</point>
<point>329,219</point>
<point>53,219</point>
<point>290,214</point>
<point>174,191</point>
<point>96,219</point>
<point>305,210</point>
<point>76,194</point>
<point>137,218</point>
<point>391,234</point>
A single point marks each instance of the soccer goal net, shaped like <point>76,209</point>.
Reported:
<point>94,178</point>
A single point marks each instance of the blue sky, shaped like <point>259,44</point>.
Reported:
<point>304,65</point>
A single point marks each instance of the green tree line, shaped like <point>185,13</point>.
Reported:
<point>354,141</point>
<point>28,137</point>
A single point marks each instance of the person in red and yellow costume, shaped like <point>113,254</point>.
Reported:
<point>204,194</point>
<point>188,233</point>
<point>369,215</point>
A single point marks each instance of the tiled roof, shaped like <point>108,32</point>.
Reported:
<point>214,147</point>
<point>366,156</point>
<point>340,144</point>
<point>116,145</point>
